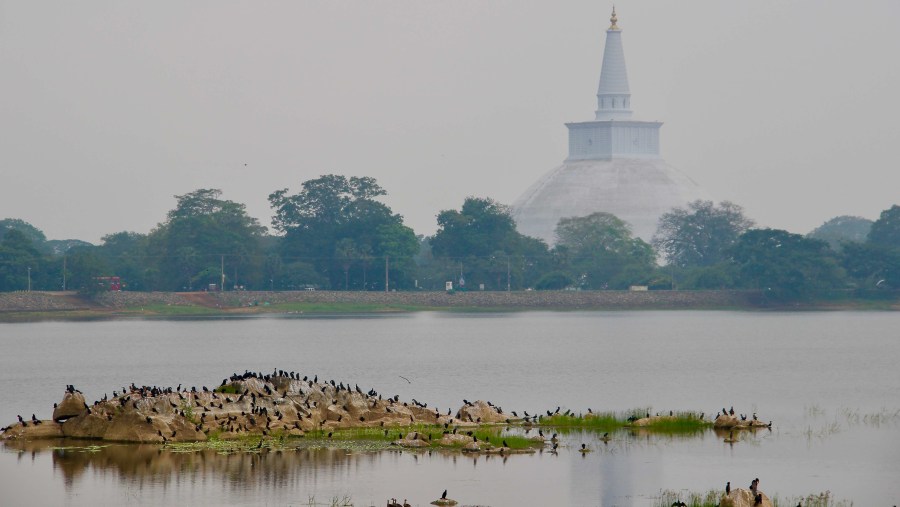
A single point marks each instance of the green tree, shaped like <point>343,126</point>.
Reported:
<point>18,258</point>
<point>125,253</point>
<point>886,230</point>
<point>603,253</point>
<point>872,266</point>
<point>700,234</point>
<point>334,223</point>
<point>35,235</point>
<point>198,234</point>
<point>479,241</point>
<point>785,265</point>
<point>84,267</point>
<point>480,228</point>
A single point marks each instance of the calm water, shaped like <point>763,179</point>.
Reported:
<point>829,381</point>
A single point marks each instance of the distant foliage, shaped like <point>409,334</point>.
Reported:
<point>479,244</point>
<point>337,236</point>
<point>602,253</point>
<point>35,235</point>
<point>886,230</point>
<point>199,234</point>
<point>841,230</point>
<point>786,265</point>
<point>701,234</point>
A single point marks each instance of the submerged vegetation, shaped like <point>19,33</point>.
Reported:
<point>514,437</point>
<point>676,423</point>
<point>712,497</point>
<point>361,439</point>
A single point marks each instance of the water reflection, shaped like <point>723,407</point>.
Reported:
<point>616,471</point>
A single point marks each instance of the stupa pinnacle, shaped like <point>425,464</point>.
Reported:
<point>613,164</point>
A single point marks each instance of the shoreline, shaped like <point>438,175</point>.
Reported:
<point>40,306</point>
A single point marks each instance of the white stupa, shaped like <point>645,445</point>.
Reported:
<point>613,164</point>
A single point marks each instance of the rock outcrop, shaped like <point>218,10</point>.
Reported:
<point>248,404</point>
<point>740,497</point>
<point>72,404</point>
<point>481,412</point>
<point>726,421</point>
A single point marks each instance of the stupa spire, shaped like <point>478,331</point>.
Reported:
<point>613,94</point>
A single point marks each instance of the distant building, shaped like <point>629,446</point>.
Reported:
<point>613,164</point>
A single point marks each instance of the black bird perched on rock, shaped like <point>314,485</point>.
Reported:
<point>728,488</point>
<point>758,499</point>
<point>444,495</point>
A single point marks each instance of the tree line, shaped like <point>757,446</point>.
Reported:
<point>335,234</point>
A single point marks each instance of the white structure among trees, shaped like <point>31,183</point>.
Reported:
<point>613,164</point>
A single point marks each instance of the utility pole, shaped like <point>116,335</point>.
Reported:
<point>386,257</point>
<point>222,286</point>
<point>64,273</point>
<point>507,274</point>
<point>29,278</point>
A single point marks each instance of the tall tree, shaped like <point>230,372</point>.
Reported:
<point>479,243</point>
<point>35,235</point>
<point>334,224</point>
<point>201,233</point>
<point>701,233</point>
<point>886,230</point>
<point>19,259</point>
<point>481,227</point>
<point>786,265</point>
<point>603,253</point>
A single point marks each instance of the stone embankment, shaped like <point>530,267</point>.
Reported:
<point>244,405</point>
<point>41,302</point>
<point>119,300</point>
<point>583,300</point>
<point>526,300</point>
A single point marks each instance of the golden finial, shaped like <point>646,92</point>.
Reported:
<point>613,20</point>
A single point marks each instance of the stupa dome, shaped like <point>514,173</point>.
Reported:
<point>613,164</point>
<point>638,191</point>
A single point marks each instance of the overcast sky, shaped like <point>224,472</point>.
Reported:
<point>108,109</point>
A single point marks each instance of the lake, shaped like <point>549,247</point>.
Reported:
<point>829,382</point>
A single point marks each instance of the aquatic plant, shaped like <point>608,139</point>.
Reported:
<point>711,499</point>
<point>678,423</point>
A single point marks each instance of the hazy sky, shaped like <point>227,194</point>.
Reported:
<point>108,109</point>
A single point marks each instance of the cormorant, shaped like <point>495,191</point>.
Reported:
<point>728,488</point>
<point>444,495</point>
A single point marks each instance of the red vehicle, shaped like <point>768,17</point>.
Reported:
<point>110,283</point>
